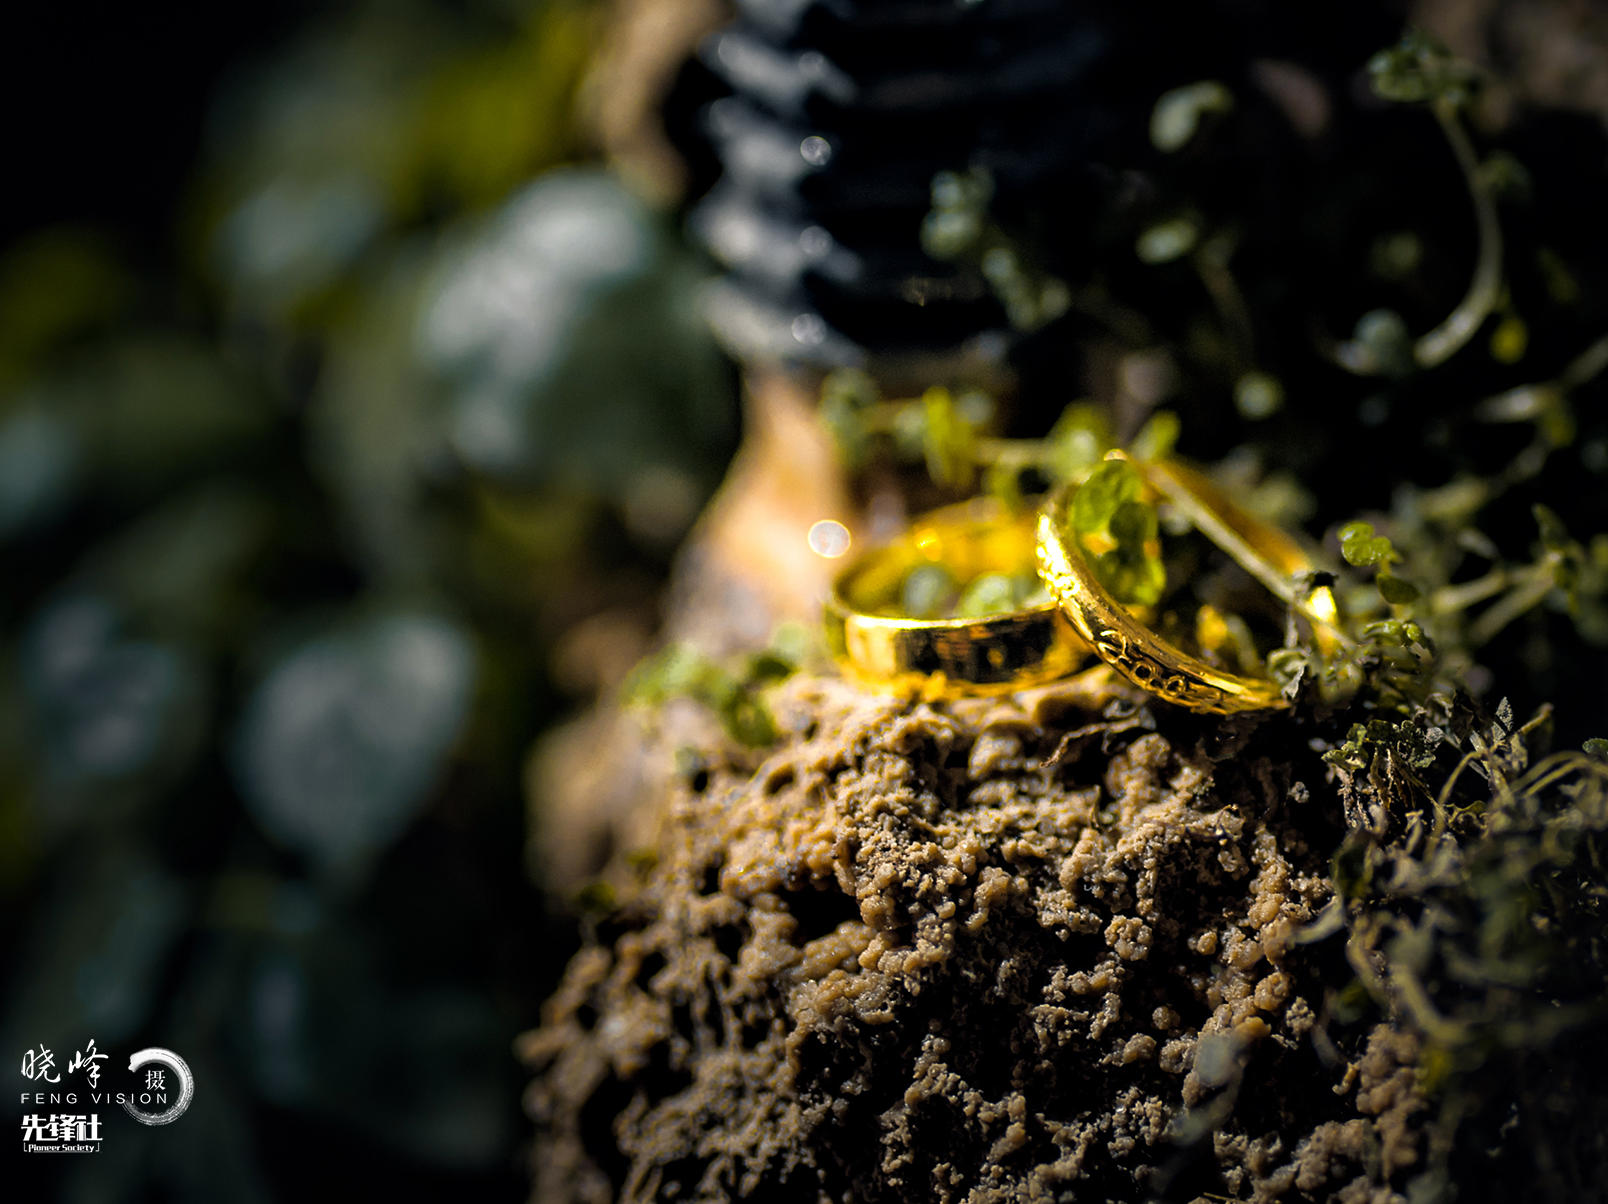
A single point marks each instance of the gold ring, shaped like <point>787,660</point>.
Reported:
<point>878,645</point>
<point>1138,653</point>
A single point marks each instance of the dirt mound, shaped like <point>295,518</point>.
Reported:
<point>1044,947</point>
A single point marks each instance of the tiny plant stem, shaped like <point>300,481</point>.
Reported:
<point>1584,366</point>
<point>1097,304</point>
<point>1011,453</point>
<point>1560,767</point>
<point>1533,585</point>
<point>1211,265</point>
<point>1485,288</point>
<point>1415,998</point>
<point>1450,599</point>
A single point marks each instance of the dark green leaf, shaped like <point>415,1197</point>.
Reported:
<point>1133,525</point>
<point>748,720</point>
<point>1395,589</point>
<point>1132,580</point>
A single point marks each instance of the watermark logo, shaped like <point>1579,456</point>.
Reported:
<point>158,1091</point>
<point>61,1133</point>
<point>156,1086</point>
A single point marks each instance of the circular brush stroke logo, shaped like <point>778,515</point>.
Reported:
<point>186,1086</point>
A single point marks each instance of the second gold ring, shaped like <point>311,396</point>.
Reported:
<point>871,631</point>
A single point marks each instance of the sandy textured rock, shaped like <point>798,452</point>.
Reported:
<point>1036,948</point>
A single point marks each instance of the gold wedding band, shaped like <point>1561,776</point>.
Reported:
<point>879,646</point>
<point>1138,653</point>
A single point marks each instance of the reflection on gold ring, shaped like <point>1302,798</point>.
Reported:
<point>877,645</point>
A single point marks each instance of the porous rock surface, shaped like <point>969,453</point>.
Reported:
<point>1045,947</point>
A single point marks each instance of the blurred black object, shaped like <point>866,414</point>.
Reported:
<point>841,114</point>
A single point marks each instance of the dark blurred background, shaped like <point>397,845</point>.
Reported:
<point>336,379</point>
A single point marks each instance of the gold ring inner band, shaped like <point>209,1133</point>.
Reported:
<point>992,653</point>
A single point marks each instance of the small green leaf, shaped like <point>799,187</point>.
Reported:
<point>768,666</point>
<point>976,407</point>
<point>748,720</point>
<point>1288,666</point>
<point>681,671</point>
<point>1178,113</point>
<point>1401,632</point>
<point>673,672</point>
<point>1108,504</point>
<point>1596,747</point>
<point>1510,340</point>
<point>1167,241</point>
<point>949,234</point>
<point>792,642</point>
<point>1362,548</point>
<point>1000,265</point>
<point>1258,395</point>
<point>1080,436</point>
<point>1158,436</point>
<point>1418,69</point>
<point>910,431</point>
<point>1098,499</point>
<point>1554,535</point>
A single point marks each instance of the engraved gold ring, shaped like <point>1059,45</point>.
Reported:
<point>1135,651</point>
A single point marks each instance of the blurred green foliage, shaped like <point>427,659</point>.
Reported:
<point>290,524</point>
<point>734,693</point>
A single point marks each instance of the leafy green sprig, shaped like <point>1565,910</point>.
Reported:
<point>958,229</point>
<point>1472,901</point>
<point>734,691</point>
<point>1418,70</point>
<point>949,432</point>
